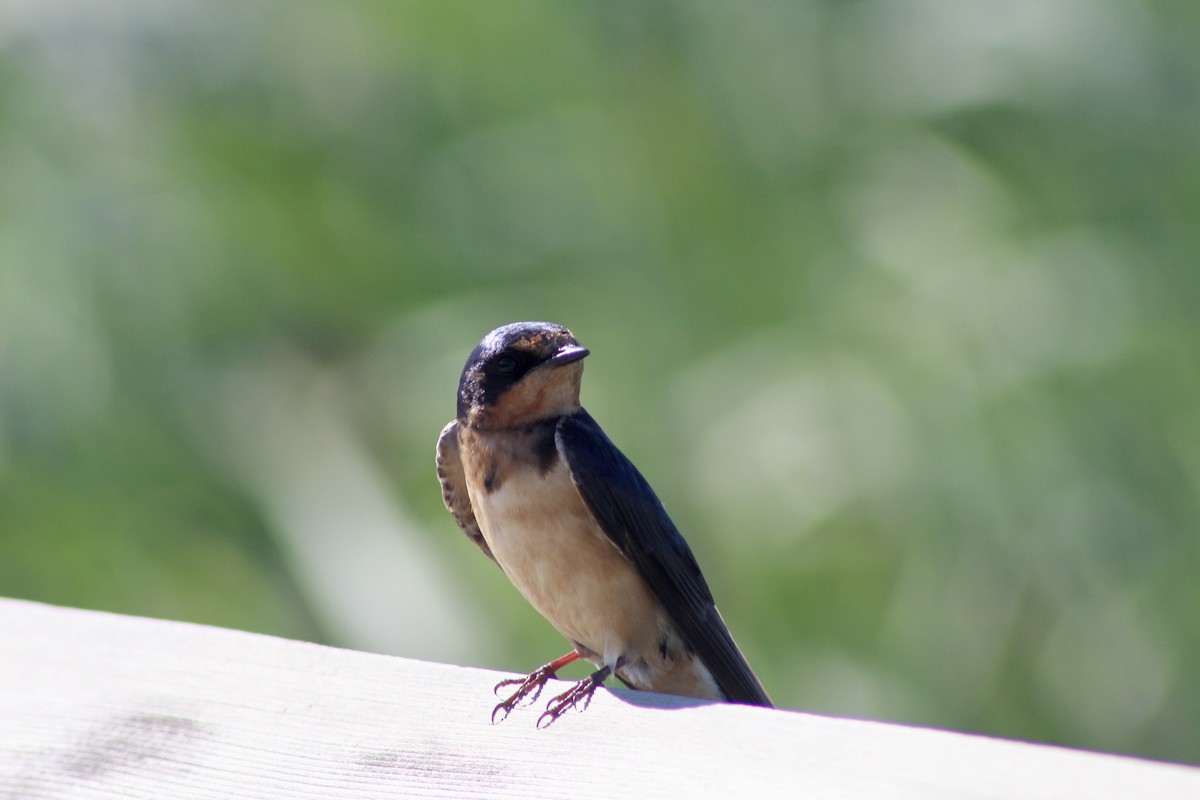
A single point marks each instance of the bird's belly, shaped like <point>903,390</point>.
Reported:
<point>550,547</point>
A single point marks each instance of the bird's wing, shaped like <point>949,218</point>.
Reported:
<point>633,517</point>
<point>454,486</point>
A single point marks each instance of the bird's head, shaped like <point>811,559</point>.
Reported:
<point>521,373</point>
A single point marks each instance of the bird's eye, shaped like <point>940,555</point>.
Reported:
<point>507,364</point>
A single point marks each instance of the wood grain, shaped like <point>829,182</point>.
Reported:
<point>96,705</point>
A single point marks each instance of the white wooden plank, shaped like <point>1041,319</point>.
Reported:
<point>95,705</point>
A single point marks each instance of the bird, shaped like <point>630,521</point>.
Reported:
<point>536,484</point>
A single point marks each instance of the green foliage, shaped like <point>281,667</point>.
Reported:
<point>894,303</point>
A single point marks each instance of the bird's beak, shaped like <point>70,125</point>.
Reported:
<point>566,354</point>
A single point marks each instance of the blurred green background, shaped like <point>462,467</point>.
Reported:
<point>895,303</point>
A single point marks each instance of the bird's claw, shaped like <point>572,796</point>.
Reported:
<point>530,687</point>
<point>580,692</point>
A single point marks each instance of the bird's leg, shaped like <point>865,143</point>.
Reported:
<point>531,684</point>
<point>580,692</point>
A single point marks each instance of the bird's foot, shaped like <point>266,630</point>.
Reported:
<point>579,693</point>
<point>529,687</point>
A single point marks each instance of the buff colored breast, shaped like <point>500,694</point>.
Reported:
<point>544,538</point>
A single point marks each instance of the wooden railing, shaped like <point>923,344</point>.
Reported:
<point>96,705</point>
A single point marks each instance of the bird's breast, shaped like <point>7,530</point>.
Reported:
<point>551,548</point>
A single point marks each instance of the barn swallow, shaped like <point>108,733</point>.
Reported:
<point>536,484</point>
